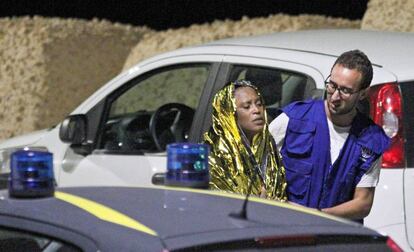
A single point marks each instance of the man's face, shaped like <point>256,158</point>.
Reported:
<point>249,111</point>
<point>348,81</point>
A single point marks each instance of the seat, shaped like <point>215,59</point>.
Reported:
<point>293,90</point>
<point>269,83</point>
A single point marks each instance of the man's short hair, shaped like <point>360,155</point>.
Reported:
<point>355,59</point>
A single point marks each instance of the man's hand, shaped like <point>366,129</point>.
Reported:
<point>357,208</point>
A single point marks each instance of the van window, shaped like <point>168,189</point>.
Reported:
<point>154,110</point>
<point>278,87</point>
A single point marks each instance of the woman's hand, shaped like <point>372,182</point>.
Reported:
<point>263,193</point>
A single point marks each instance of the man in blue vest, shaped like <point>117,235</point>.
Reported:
<point>331,151</point>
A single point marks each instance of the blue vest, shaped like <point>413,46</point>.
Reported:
<point>312,179</point>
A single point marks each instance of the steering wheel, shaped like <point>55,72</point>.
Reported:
<point>133,133</point>
<point>170,123</point>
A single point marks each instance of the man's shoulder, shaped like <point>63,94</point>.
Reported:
<point>308,102</point>
<point>367,125</point>
<point>370,134</point>
<point>298,109</point>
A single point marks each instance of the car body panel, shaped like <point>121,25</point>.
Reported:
<point>112,169</point>
<point>409,205</point>
<point>24,140</point>
<point>379,46</point>
<point>391,215</point>
<point>178,218</point>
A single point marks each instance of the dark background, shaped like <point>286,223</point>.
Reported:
<point>164,14</point>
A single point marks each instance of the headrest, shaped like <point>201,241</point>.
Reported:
<point>269,83</point>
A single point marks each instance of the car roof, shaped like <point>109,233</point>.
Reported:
<point>392,50</point>
<point>149,218</point>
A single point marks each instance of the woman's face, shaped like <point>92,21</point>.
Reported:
<point>249,111</point>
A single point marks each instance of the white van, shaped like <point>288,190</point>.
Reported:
<point>118,135</point>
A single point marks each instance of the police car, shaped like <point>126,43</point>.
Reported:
<point>117,137</point>
<point>35,216</point>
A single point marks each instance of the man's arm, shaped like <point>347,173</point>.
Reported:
<point>357,208</point>
<point>360,206</point>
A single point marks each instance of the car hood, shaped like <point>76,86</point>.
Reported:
<point>209,218</point>
<point>24,140</point>
<point>178,218</point>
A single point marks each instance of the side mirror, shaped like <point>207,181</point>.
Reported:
<point>158,178</point>
<point>73,129</point>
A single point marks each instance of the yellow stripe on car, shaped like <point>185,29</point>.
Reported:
<point>103,212</point>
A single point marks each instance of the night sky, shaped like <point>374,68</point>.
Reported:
<point>164,14</point>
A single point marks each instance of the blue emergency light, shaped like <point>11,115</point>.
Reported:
<point>187,165</point>
<point>31,174</point>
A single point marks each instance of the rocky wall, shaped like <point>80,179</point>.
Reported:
<point>389,15</point>
<point>155,43</point>
<point>50,65</point>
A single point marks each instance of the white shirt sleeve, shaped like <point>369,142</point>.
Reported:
<point>278,129</point>
<point>371,178</point>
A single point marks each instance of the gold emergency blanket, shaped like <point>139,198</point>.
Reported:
<point>229,161</point>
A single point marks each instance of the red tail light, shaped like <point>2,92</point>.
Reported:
<point>386,111</point>
<point>393,245</point>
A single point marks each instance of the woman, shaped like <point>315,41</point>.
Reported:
<point>241,146</point>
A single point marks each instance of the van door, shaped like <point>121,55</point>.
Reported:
<point>139,119</point>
